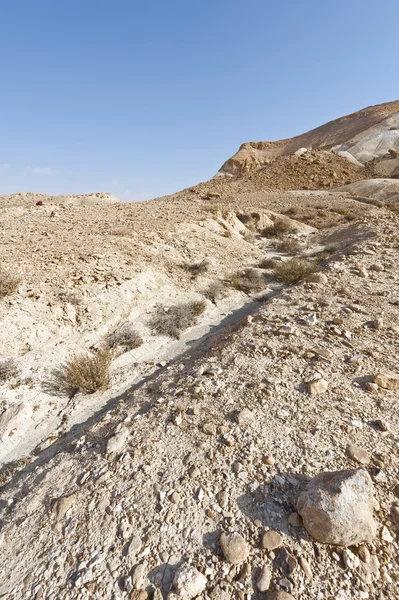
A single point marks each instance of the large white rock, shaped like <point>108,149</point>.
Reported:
<point>337,507</point>
<point>189,582</point>
<point>117,442</point>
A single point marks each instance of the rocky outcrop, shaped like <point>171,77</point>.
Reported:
<point>365,134</point>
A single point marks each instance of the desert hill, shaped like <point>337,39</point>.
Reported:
<point>366,134</point>
<point>199,392</point>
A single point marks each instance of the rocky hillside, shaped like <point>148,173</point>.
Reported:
<point>365,135</point>
<point>199,392</point>
<point>261,463</point>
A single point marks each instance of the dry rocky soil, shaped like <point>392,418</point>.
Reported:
<point>254,454</point>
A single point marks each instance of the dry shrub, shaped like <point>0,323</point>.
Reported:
<point>267,263</point>
<point>279,228</point>
<point>8,369</point>
<point>323,255</point>
<point>177,318</point>
<point>289,246</point>
<point>85,373</point>
<point>197,268</point>
<point>125,337</point>
<point>249,236</point>
<point>70,298</point>
<point>248,280</point>
<point>215,291</point>
<point>8,283</point>
<point>293,270</point>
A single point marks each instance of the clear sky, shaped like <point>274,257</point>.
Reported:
<point>144,98</point>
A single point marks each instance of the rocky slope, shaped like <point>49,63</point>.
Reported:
<point>197,478</point>
<point>252,454</point>
<point>367,134</point>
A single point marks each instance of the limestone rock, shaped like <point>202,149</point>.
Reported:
<point>235,549</point>
<point>117,442</point>
<point>337,508</point>
<point>358,454</point>
<point>318,387</point>
<point>317,278</point>
<point>271,540</point>
<point>189,582</point>
<point>61,506</point>
<point>245,417</point>
<point>263,581</point>
<point>387,381</point>
<point>279,595</point>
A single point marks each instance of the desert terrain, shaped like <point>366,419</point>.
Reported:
<point>199,392</point>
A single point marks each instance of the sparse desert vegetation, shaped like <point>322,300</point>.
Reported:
<point>248,280</point>
<point>174,320</point>
<point>197,268</point>
<point>279,228</point>
<point>84,372</point>
<point>289,246</point>
<point>293,270</point>
<point>9,283</point>
<point>8,369</point>
<point>125,337</point>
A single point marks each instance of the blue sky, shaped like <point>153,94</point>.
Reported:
<point>144,98</point>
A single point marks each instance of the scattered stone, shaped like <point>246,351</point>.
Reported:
<point>337,508</point>
<point>371,387</point>
<point>263,581</point>
<point>222,498</point>
<point>358,454</point>
<point>209,428</point>
<point>378,323</point>
<point>235,549</point>
<point>61,506</point>
<point>134,546</point>
<point>189,582</point>
<point>286,562</point>
<point>138,595</point>
<point>317,387</point>
<point>305,566</point>
<point>286,330</point>
<point>317,278</point>
<point>351,561</point>
<point>295,520</point>
<point>117,442</point>
<point>138,576</point>
<point>382,425</point>
<point>387,381</point>
<point>269,460</point>
<point>271,540</point>
<point>245,417</point>
<point>324,353</point>
<point>386,536</point>
<point>279,595</point>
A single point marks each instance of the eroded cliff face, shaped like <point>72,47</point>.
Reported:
<point>366,134</point>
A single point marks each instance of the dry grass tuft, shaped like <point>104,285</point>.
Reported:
<point>248,280</point>
<point>198,268</point>
<point>126,337</point>
<point>8,369</point>
<point>289,246</point>
<point>85,373</point>
<point>267,263</point>
<point>8,283</point>
<point>177,318</point>
<point>215,291</point>
<point>293,270</point>
<point>279,228</point>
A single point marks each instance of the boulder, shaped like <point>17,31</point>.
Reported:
<point>189,582</point>
<point>337,507</point>
<point>234,547</point>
